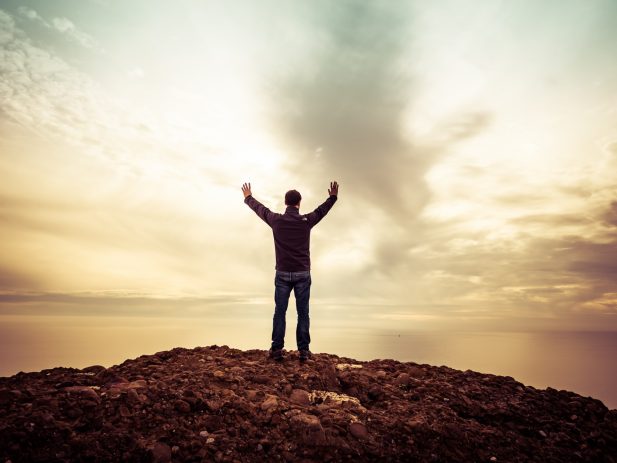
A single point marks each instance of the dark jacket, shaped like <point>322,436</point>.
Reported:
<point>292,232</point>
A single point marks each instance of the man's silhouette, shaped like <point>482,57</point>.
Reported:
<point>292,232</point>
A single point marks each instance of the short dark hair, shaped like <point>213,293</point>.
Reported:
<point>292,198</point>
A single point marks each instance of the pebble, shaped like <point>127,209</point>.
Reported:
<point>270,403</point>
<point>402,379</point>
<point>358,430</point>
<point>300,397</point>
<point>182,406</point>
<point>161,453</point>
<point>415,372</point>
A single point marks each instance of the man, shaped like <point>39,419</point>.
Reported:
<point>292,233</point>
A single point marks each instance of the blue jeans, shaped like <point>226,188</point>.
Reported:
<point>284,282</point>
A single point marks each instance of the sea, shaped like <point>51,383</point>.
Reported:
<point>579,361</point>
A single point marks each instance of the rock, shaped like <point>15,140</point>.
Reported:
<point>347,366</point>
<point>74,412</point>
<point>7,396</point>
<point>310,429</point>
<point>300,397</point>
<point>270,403</point>
<point>358,430</point>
<point>402,379</point>
<point>94,369</point>
<point>160,453</point>
<point>84,392</point>
<point>182,406</point>
<point>132,397</point>
<point>381,374</point>
<point>415,372</point>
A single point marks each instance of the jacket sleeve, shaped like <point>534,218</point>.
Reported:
<point>315,217</point>
<point>262,211</point>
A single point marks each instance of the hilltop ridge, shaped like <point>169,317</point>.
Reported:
<point>222,404</point>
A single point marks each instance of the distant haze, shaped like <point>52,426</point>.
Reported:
<point>475,143</point>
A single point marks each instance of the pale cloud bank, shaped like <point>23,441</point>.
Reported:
<point>63,25</point>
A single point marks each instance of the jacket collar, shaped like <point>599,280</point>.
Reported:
<point>292,210</point>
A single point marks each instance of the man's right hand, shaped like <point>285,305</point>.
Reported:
<point>246,189</point>
<point>333,191</point>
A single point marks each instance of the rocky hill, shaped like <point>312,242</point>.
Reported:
<point>222,404</point>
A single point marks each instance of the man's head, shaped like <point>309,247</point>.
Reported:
<point>292,198</point>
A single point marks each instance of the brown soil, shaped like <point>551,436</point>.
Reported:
<point>222,404</point>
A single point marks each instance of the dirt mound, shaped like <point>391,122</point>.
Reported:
<point>222,404</point>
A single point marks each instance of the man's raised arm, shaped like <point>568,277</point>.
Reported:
<point>315,217</point>
<point>262,211</point>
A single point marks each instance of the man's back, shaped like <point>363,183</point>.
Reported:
<point>292,232</point>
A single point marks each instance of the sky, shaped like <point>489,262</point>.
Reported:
<point>475,144</point>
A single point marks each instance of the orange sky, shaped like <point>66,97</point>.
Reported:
<point>476,150</point>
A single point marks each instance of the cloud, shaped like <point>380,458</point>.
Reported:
<point>30,14</point>
<point>341,113</point>
<point>60,24</point>
<point>67,27</point>
<point>136,73</point>
<point>123,303</point>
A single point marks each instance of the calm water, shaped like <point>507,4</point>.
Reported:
<point>582,362</point>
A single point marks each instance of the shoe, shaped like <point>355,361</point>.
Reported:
<point>305,355</point>
<point>275,354</point>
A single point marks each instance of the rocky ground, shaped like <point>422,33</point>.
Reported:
<point>222,404</point>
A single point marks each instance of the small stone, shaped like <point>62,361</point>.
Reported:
<point>347,366</point>
<point>402,379</point>
<point>542,433</point>
<point>84,392</point>
<point>175,449</point>
<point>415,372</point>
<point>182,406</point>
<point>219,374</point>
<point>269,403</point>
<point>74,413</point>
<point>160,452</point>
<point>574,417</point>
<point>300,397</point>
<point>381,374</point>
<point>204,434</point>
<point>493,458</point>
<point>139,384</point>
<point>358,430</point>
<point>133,397</point>
<point>310,428</point>
<point>209,440</point>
